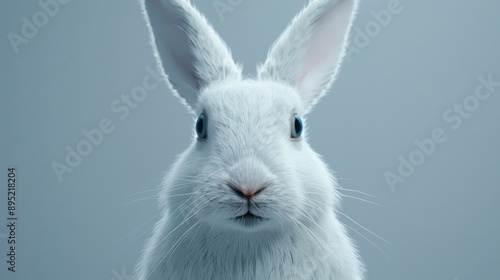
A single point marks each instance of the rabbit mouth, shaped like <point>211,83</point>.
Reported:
<point>249,219</point>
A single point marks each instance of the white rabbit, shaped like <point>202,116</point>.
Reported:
<point>249,198</point>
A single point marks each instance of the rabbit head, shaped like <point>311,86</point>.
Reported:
<point>249,167</point>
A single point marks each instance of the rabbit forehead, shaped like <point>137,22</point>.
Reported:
<point>255,99</point>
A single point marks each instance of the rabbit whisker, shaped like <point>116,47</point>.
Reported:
<point>136,229</point>
<point>358,224</point>
<point>146,191</point>
<point>355,191</point>
<point>140,199</point>
<point>361,199</point>
<point>367,239</point>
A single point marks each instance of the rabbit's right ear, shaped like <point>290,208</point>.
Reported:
<point>309,52</point>
<point>188,49</point>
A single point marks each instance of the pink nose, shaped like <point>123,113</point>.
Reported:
<point>246,192</point>
<point>249,192</point>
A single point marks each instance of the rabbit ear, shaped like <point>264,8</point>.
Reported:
<point>308,53</point>
<point>188,49</point>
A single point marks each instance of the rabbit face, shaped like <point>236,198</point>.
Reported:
<point>252,173</point>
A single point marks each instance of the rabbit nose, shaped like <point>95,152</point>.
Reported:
<point>247,191</point>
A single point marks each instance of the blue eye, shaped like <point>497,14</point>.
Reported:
<point>201,126</point>
<point>297,126</point>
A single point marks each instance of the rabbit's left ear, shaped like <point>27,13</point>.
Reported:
<point>308,53</point>
<point>189,50</point>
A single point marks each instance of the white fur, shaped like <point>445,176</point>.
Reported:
<point>248,143</point>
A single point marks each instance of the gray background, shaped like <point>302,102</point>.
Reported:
<point>441,223</point>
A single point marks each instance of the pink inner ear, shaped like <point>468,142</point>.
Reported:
<point>301,78</point>
<point>327,41</point>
